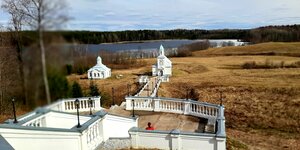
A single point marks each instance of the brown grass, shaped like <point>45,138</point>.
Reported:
<point>262,106</point>
<point>129,76</point>
<point>278,48</point>
<point>262,102</point>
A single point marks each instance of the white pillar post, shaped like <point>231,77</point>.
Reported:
<point>221,143</point>
<point>97,103</point>
<point>175,140</point>
<point>134,139</point>
<point>186,109</point>
<point>221,122</point>
<point>156,105</point>
<point>128,103</point>
<point>83,138</point>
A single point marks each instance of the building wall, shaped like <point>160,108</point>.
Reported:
<point>114,126</point>
<point>164,140</point>
<point>41,140</point>
<point>168,71</point>
<point>166,67</point>
<point>102,74</point>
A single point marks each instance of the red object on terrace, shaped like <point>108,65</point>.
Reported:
<point>149,126</point>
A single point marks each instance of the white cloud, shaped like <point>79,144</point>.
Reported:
<point>168,14</point>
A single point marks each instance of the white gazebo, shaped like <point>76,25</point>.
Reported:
<point>163,67</point>
<point>99,71</point>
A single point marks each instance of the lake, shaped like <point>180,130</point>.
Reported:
<point>150,45</point>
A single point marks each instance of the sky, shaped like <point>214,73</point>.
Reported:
<point>116,15</point>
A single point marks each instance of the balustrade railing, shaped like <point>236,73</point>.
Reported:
<point>38,122</point>
<point>188,107</point>
<point>68,105</point>
<point>93,136</point>
<point>154,91</point>
<point>138,94</point>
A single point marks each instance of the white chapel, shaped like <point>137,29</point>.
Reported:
<point>99,71</point>
<point>163,67</point>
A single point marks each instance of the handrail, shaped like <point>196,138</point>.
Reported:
<point>142,89</point>
<point>173,105</point>
<point>68,105</point>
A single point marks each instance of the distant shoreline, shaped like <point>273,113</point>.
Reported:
<point>145,41</point>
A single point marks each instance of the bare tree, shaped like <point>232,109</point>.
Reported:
<point>16,22</point>
<point>39,15</point>
<point>9,75</point>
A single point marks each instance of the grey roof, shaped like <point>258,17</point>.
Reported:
<point>4,145</point>
<point>99,66</point>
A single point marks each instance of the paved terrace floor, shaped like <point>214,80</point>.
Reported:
<point>163,121</point>
<point>149,88</point>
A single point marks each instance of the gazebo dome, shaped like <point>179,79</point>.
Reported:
<point>99,60</point>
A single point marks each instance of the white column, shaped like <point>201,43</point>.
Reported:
<point>156,105</point>
<point>186,109</point>
<point>221,143</point>
<point>62,105</point>
<point>134,139</point>
<point>84,145</point>
<point>221,122</point>
<point>175,140</point>
<point>128,103</point>
<point>97,103</point>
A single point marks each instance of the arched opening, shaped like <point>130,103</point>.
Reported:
<point>161,73</point>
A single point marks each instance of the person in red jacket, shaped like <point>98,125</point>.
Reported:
<point>149,126</point>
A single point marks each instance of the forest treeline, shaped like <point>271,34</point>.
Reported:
<point>287,33</point>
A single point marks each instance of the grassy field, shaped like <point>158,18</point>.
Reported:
<point>258,102</point>
<point>262,106</point>
<point>278,48</point>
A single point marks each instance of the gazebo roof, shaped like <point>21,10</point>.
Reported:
<point>99,66</point>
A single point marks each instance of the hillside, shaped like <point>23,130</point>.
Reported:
<point>258,102</point>
<point>272,48</point>
<point>261,105</point>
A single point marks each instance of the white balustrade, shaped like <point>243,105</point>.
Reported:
<point>68,105</point>
<point>142,89</point>
<point>145,104</point>
<point>157,84</point>
<point>182,106</point>
<point>175,139</point>
<point>93,136</point>
<point>38,122</point>
<point>154,91</point>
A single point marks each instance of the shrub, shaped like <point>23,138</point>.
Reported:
<point>184,53</point>
<point>194,95</point>
<point>269,65</point>
<point>58,85</point>
<point>249,65</point>
<point>76,90</point>
<point>105,100</point>
<point>69,69</point>
<point>295,64</point>
<point>94,91</point>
